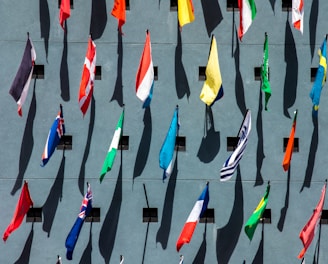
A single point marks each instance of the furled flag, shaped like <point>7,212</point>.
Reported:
<point>167,150</point>
<point>232,162</point>
<point>185,12</point>
<point>290,145</point>
<point>111,154</point>
<point>145,74</point>
<point>247,13</point>
<point>212,89</point>
<point>22,207</point>
<point>56,131</point>
<point>298,14</point>
<point>73,235</point>
<point>265,84</point>
<point>309,230</point>
<point>195,214</point>
<point>320,77</point>
<point>118,11</point>
<point>21,83</point>
<point>88,77</point>
<point>64,12</point>
<point>255,218</point>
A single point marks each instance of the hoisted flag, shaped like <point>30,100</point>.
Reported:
<point>298,14</point>
<point>194,216</point>
<point>185,12</point>
<point>23,205</point>
<point>64,12</point>
<point>265,84</point>
<point>145,74</point>
<point>88,77</point>
<point>56,131</point>
<point>247,13</point>
<point>255,218</point>
<point>111,154</point>
<point>309,230</point>
<point>75,231</point>
<point>232,162</point>
<point>167,150</point>
<point>118,12</point>
<point>212,89</point>
<point>290,145</point>
<point>21,83</point>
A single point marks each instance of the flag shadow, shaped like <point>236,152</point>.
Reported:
<point>25,256</point>
<point>260,149</point>
<point>200,256</point>
<point>259,254</point>
<point>272,3</point>
<point>63,73</point>
<point>313,20</point>
<point>98,18</point>
<point>87,146</point>
<point>86,256</point>
<point>44,23</point>
<point>109,228</point>
<point>55,195</point>
<point>227,236</point>
<point>27,144</point>
<point>283,211</point>
<point>212,14</point>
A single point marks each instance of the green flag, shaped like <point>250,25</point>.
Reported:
<point>265,84</point>
<point>257,214</point>
<point>108,163</point>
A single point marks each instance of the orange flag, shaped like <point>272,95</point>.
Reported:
<point>65,11</point>
<point>290,145</point>
<point>118,11</point>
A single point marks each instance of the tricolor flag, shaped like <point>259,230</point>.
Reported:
<point>88,77</point>
<point>320,77</point>
<point>21,83</point>
<point>232,162</point>
<point>118,11</point>
<point>265,84</point>
<point>298,14</point>
<point>212,89</point>
<point>255,218</point>
<point>290,145</point>
<point>111,154</point>
<point>185,12</point>
<point>64,12</point>
<point>145,74</point>
<point>195,214</point>
<point>56,131</point>
<point>309,230</point>
<point>167,150</point>
<point>23,205</point>
<point>247,13</point>
<point>73,235</point>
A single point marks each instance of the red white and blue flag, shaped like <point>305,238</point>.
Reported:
<point>145,74</point>
<point>56,131</point>
<point>21,83</point>
<point>196,213</point>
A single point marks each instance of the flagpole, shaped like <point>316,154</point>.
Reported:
<point>121,259</point>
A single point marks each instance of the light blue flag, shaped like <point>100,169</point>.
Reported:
<point>167,150</point>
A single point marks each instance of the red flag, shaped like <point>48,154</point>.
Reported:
<point>290,145</point>
<point>118,11</point>
<point>309,230</point>
<point>23,205</point>
<point>88,77</point>
<point>65,11</point>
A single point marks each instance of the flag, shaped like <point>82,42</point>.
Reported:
<point>167,150</point>
<point>309,230</point>
<point>247,13</point>
<point>212,88</point>
<point>108,163</point>
<point>232,162</point>
<point>73,235</point>
<point>64,12</point>
<point>257,215</point>
<point>21,83</point>
<point>194,216</point>
<point>88,77</point>
<point>290,145</point>
<point>185,12</point>
<point>118,11</point>
<point>298,14</point>
<point>22,207</point>
<point>320,77</point>
<point>145,74</point>
<point>265,84</point>
<point>56,131</point>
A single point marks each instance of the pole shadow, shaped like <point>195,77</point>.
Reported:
<point>63,73</point>
<point>98,18</point>
<point>283,211</point>
<point>259,259</point>
<point>212,14</point>
<point>313,20</point>
<point>44,23</point>
<point>25,256</point>
<point>260,149</point>
<point>200,256</point>
<point>86,256</point>
<point>272,3</point>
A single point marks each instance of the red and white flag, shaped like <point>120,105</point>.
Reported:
<point>298,14</point>
<point>247,13</point>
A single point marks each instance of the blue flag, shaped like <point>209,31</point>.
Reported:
<point>75,231</point>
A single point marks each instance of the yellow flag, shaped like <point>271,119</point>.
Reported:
<point>185,12</point>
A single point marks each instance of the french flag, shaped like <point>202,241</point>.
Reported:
<point>145,74</point>
<point>196,213</point>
